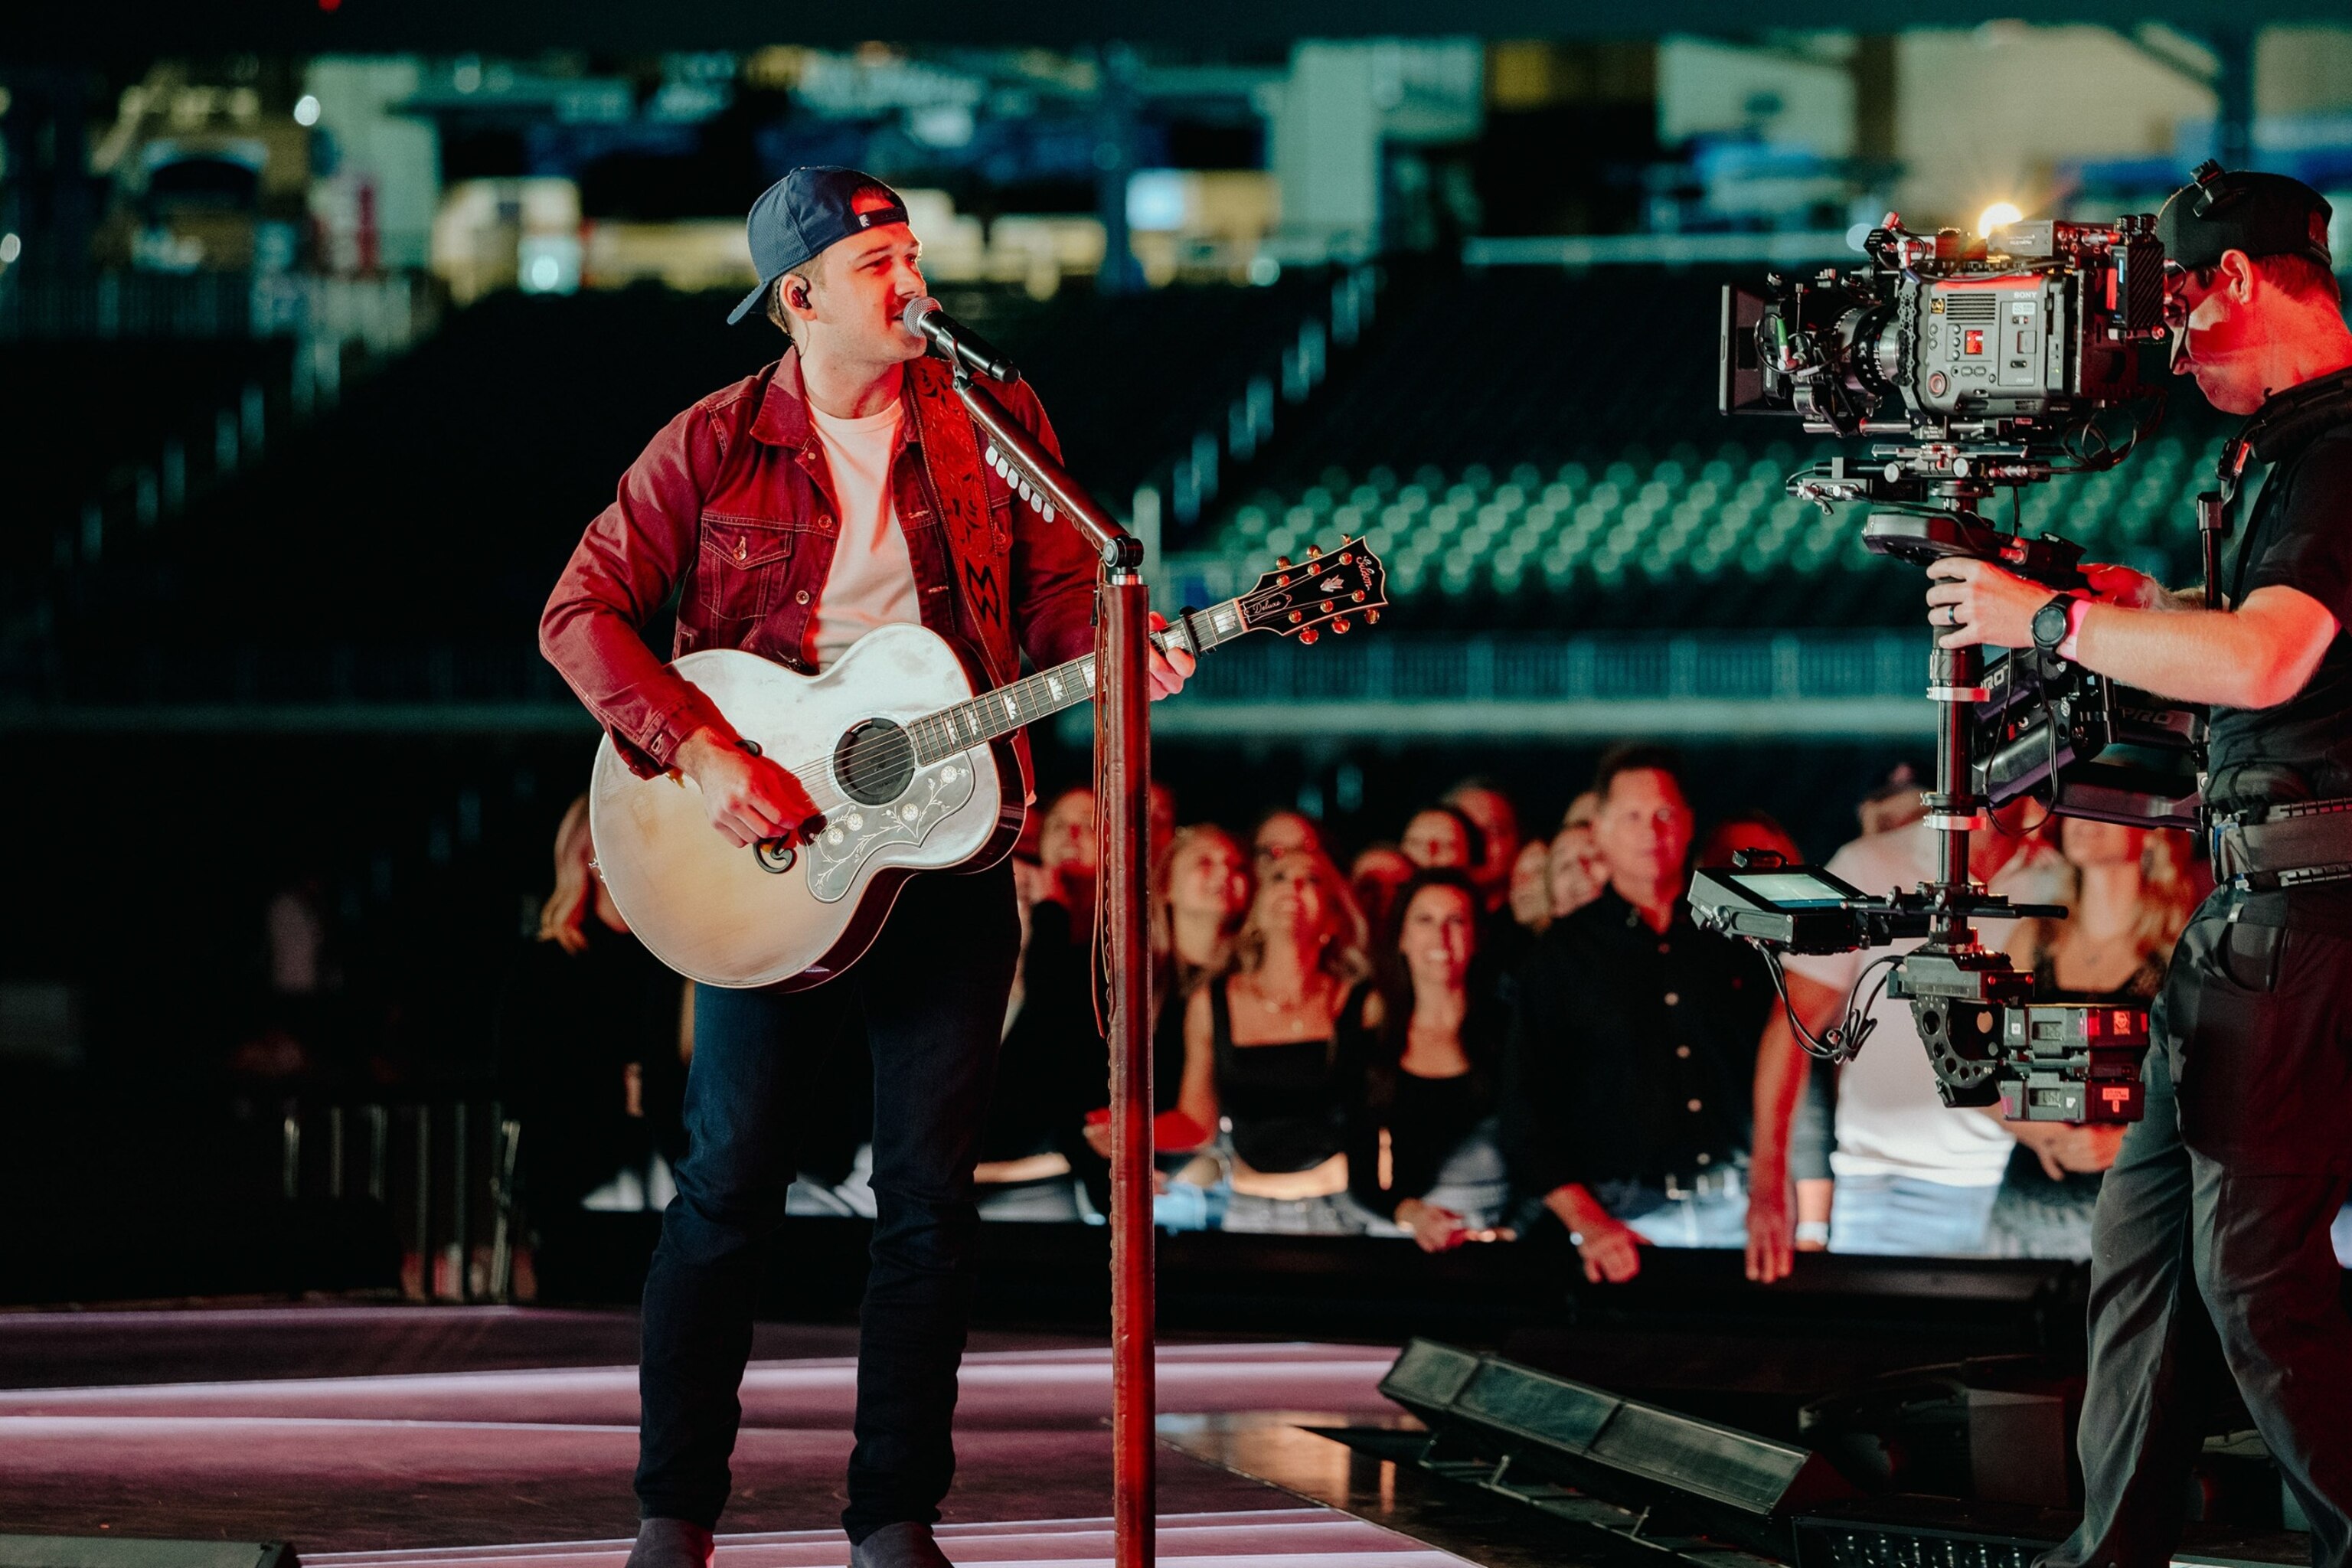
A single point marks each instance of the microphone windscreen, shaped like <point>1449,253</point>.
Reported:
<point>921,306</point>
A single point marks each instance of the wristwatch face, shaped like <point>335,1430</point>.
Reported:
<point>2049,626</point>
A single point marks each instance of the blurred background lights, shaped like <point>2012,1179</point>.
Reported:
<point>306,110</point>
<point>11,247</point>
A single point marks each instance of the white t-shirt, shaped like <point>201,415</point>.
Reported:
<point>1889,1120</point>
<point>872,582</point>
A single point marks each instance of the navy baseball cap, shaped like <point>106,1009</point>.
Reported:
<point>2243,209</point>
<point>800,214</point>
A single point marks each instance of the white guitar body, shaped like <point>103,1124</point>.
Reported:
<point>795,918</point>
<point>907,752</point>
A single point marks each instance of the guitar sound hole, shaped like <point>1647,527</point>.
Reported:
<point>875,763</point>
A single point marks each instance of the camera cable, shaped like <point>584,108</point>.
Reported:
<point>1842,1042</point>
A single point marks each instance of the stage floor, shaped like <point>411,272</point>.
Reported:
<point>411,1437</point>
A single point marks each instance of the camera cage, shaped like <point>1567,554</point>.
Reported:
<point>1989,362</point>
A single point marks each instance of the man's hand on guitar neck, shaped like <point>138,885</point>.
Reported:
<point>1169,669</point>
<point>749,798</point>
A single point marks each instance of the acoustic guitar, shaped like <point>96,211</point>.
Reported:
<point>906,756</point>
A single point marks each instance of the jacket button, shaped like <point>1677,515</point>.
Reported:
<point>801,597</point>
<point>739,549</point>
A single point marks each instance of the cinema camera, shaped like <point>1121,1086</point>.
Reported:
<point>1987,363</point>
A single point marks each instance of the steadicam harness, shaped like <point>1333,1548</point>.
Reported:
<point>2262,848</point>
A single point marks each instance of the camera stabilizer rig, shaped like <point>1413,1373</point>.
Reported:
<point>1992,363</point>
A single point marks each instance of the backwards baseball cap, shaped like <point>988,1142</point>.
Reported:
<point>2262,215</point>
<point>800,214</point>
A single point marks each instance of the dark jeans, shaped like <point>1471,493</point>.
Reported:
<point>932,994</point>
<point>2210,1250</point>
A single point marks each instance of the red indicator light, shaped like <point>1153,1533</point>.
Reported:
<point>1974,339</point>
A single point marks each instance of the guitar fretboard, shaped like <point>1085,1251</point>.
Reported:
<point>992,714</point>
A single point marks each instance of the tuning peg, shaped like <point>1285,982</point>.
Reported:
<point>1313,550</point>
<point>1327,607</point>
<point>1345,557</point>
<point>1371,617</point>
<point>1342,625</point>
<point>1282,561</point>
<point>1307,636</point>
<point>1296,617</point>
<point>1357,596</point>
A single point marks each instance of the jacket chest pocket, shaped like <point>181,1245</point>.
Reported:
<point>740,569</point>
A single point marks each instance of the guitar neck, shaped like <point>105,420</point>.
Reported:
<point>994,714</point>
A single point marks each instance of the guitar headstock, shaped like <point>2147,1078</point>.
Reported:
<point>1338,588</point>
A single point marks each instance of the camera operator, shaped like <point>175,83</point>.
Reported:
<point>2225,1191</point>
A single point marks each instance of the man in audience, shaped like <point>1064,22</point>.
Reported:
<point>1632,1046</point>
<point>1443,835</point>
<point>1491,813</point>
<point>1895,801</point>
<point>1914,1175</point>
<point>1279,831</point>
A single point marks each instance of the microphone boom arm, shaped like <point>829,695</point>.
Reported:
<point>1042,482</point>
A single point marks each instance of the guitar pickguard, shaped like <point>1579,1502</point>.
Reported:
<point>854,833</point>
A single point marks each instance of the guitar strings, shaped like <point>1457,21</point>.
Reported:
<point>817,775</point>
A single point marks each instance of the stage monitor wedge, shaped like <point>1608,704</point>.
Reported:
<point>131,1551</point>
<point>1508,1409</point>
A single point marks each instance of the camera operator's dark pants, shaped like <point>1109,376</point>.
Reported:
<point>2210,1248</point>
<point>931,992</point>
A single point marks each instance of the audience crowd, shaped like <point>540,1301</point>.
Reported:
<point>1468,1035</point>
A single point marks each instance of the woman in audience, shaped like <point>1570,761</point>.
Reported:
<point>1421,1147</point>
<point>1748,829</point>
<point>2133,891</point>
<point>1199,891</point>
<point>1443,835</point>
<point>1049,1067</point>
<point>1262,1051</point>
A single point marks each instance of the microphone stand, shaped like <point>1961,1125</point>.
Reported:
<point>1122,805</point>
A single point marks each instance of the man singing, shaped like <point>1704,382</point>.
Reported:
<point>2221,1199</point>
<point>839,489</point>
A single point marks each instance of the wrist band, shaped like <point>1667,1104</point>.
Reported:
<point>1813,1230</point>
<point>2075,614</point>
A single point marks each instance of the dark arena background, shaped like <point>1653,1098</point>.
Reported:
<point>329,1174</point>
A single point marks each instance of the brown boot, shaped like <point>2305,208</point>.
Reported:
<point>671,1543</point>
<point>902,1545</point>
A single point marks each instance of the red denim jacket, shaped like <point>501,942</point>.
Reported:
<point>733,503</point>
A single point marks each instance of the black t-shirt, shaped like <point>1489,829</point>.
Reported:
<point>2299,537</point>
<point>1631,1053</point>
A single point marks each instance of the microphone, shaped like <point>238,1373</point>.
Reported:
<point>954,342</point>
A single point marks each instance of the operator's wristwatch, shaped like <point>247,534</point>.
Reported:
<point>2052,622</point>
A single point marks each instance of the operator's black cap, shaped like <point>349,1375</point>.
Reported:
<point>802,213</point>
<point>2262,215</point>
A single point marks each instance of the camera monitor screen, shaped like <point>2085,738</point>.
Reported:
<point>1794,889</point>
